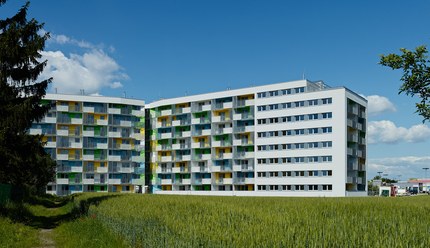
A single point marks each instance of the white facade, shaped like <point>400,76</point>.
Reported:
<point>298,138</point>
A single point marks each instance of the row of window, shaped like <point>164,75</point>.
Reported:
<point>280,92</point>
<point>288,160</point>
<point>281,133</point>
<point>293,118</point>
<point>313,187</point>
<point>310,173</point>
<point>297,104</point>
<point>291,146</point>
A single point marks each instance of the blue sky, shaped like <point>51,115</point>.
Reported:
<point>161,49</point>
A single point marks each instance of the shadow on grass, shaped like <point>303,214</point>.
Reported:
<point>19,212</point>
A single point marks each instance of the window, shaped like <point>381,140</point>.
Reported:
<point>326,101</point>
<point>313,102</point>
<point>326,115</point>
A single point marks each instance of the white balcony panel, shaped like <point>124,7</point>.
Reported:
<point>227,130</point>
<point>125,146</point>
<point>88,157</point>
<point>249,102</point>
<point>125,123</point>
<point>137,181</point>
<point>62,181</point>
<point>166,181</point>
<point>126,169</point>
<point>237,117</point>
<point>75,145</point>
<point>226,181</point>
<point>49,120</point>
<point>195,121</point>
<point>76,169</point>
<point>88,133</point>
<point>76,121</point>
<point>102,169</point>
<point>166,135</point>
<point>227,105</point>
<point>62,108</point>
<point>216,118</point>
<point>176,123</point>
<point>206,181</point>
<point>186,181</point>
<point>88,109</point>
<point>166,112</point>
<point>166,159</point>
<point>249,180</point>
<point>138,113</point>
<point>102,122</point>
<point>115,134</point>
<point>63,132</point>
<point>186,110</point>
<point>87,181</point>
<point>34,131</point>
<point>102,146</point>
<point>62,156</point>
<point>115,158</point>
<point>114,181</point>
<point>138,159</point>
<point>51,144</point>
<point>116,111</point>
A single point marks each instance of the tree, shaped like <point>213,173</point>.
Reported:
<point>416,75</point>
<point>23,161</point>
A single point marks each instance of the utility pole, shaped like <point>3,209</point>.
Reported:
<point>425,169</point>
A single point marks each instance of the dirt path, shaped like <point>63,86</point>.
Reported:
<point>45,236</point>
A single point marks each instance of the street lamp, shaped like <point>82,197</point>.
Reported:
<point>425,169</point>
<point>380,172</point>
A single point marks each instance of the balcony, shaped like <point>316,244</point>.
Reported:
<point>165,181</point>
<point>124,146</point>
<point>102,169</point>
<point>114,158</point>
<point>62,181</point>
<point>245,155</point>
<point>116,111</point>
<point>114,180</point>
<point>86,133</point>
<point>220,119</point>
<point>180,169</point>
<point>166,158</point>
<point>63,108</point>
<point>362,141</point>
<point>166,112</point>
<point>180,146</point>
<point>185,110</point>
<point>222,143</point>
<point>242,142</point>
<point>183,134</point>
<point>224,156</point>
<point>62,156</point>
<point>62,132</point>
<point>224,181</point>
<point>88,181</point>
<point>137,181</point>
<point>201,120</point>
<point>247,102</point>
<point>125,123</point>
<point>163,148</point>
<point>353,138</point>
<point>138,159</point>
<point>34,131</point>
<point>226,130</point>
<point>99,181</point>
<point>224,105</point>
<point>244,129</point>
<point>138,113</point>
<point>202,157</point>
<point>52,120</point>
<point>88,157</point>
<point>165,135</point>
<point>76,169</point>
<point>75,145</point>
<point>77,121</point>
<point>243,116</point>
<point>51,144</point>
<point>102,146</point>
<point>182,158</point>
<point>202,132</point>
<point>102,122</point>
<point>114,134</point>
<point>163,170</point>
<point>200,145</point>
<point>244,180</point>
<point>243,168</point>
<point>88,109</point>
<point>221,168</point>
<point>200,169</point>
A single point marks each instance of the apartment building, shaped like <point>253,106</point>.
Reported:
<point>298,138</point>
<point>98,143</point>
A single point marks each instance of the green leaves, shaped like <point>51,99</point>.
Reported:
<point>416,75</point>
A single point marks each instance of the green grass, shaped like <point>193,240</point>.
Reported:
<point>192,221</point>
<point>17,234</point>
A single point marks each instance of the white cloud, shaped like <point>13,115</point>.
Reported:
<point>91,71</point>
<point>63,39</point>
<point>399,167</point>
<point>379,104</point>
<point>387,132</point>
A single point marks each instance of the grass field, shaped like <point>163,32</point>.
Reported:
<point>101,220</point>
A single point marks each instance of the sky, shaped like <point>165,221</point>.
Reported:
<point>160,49</point>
